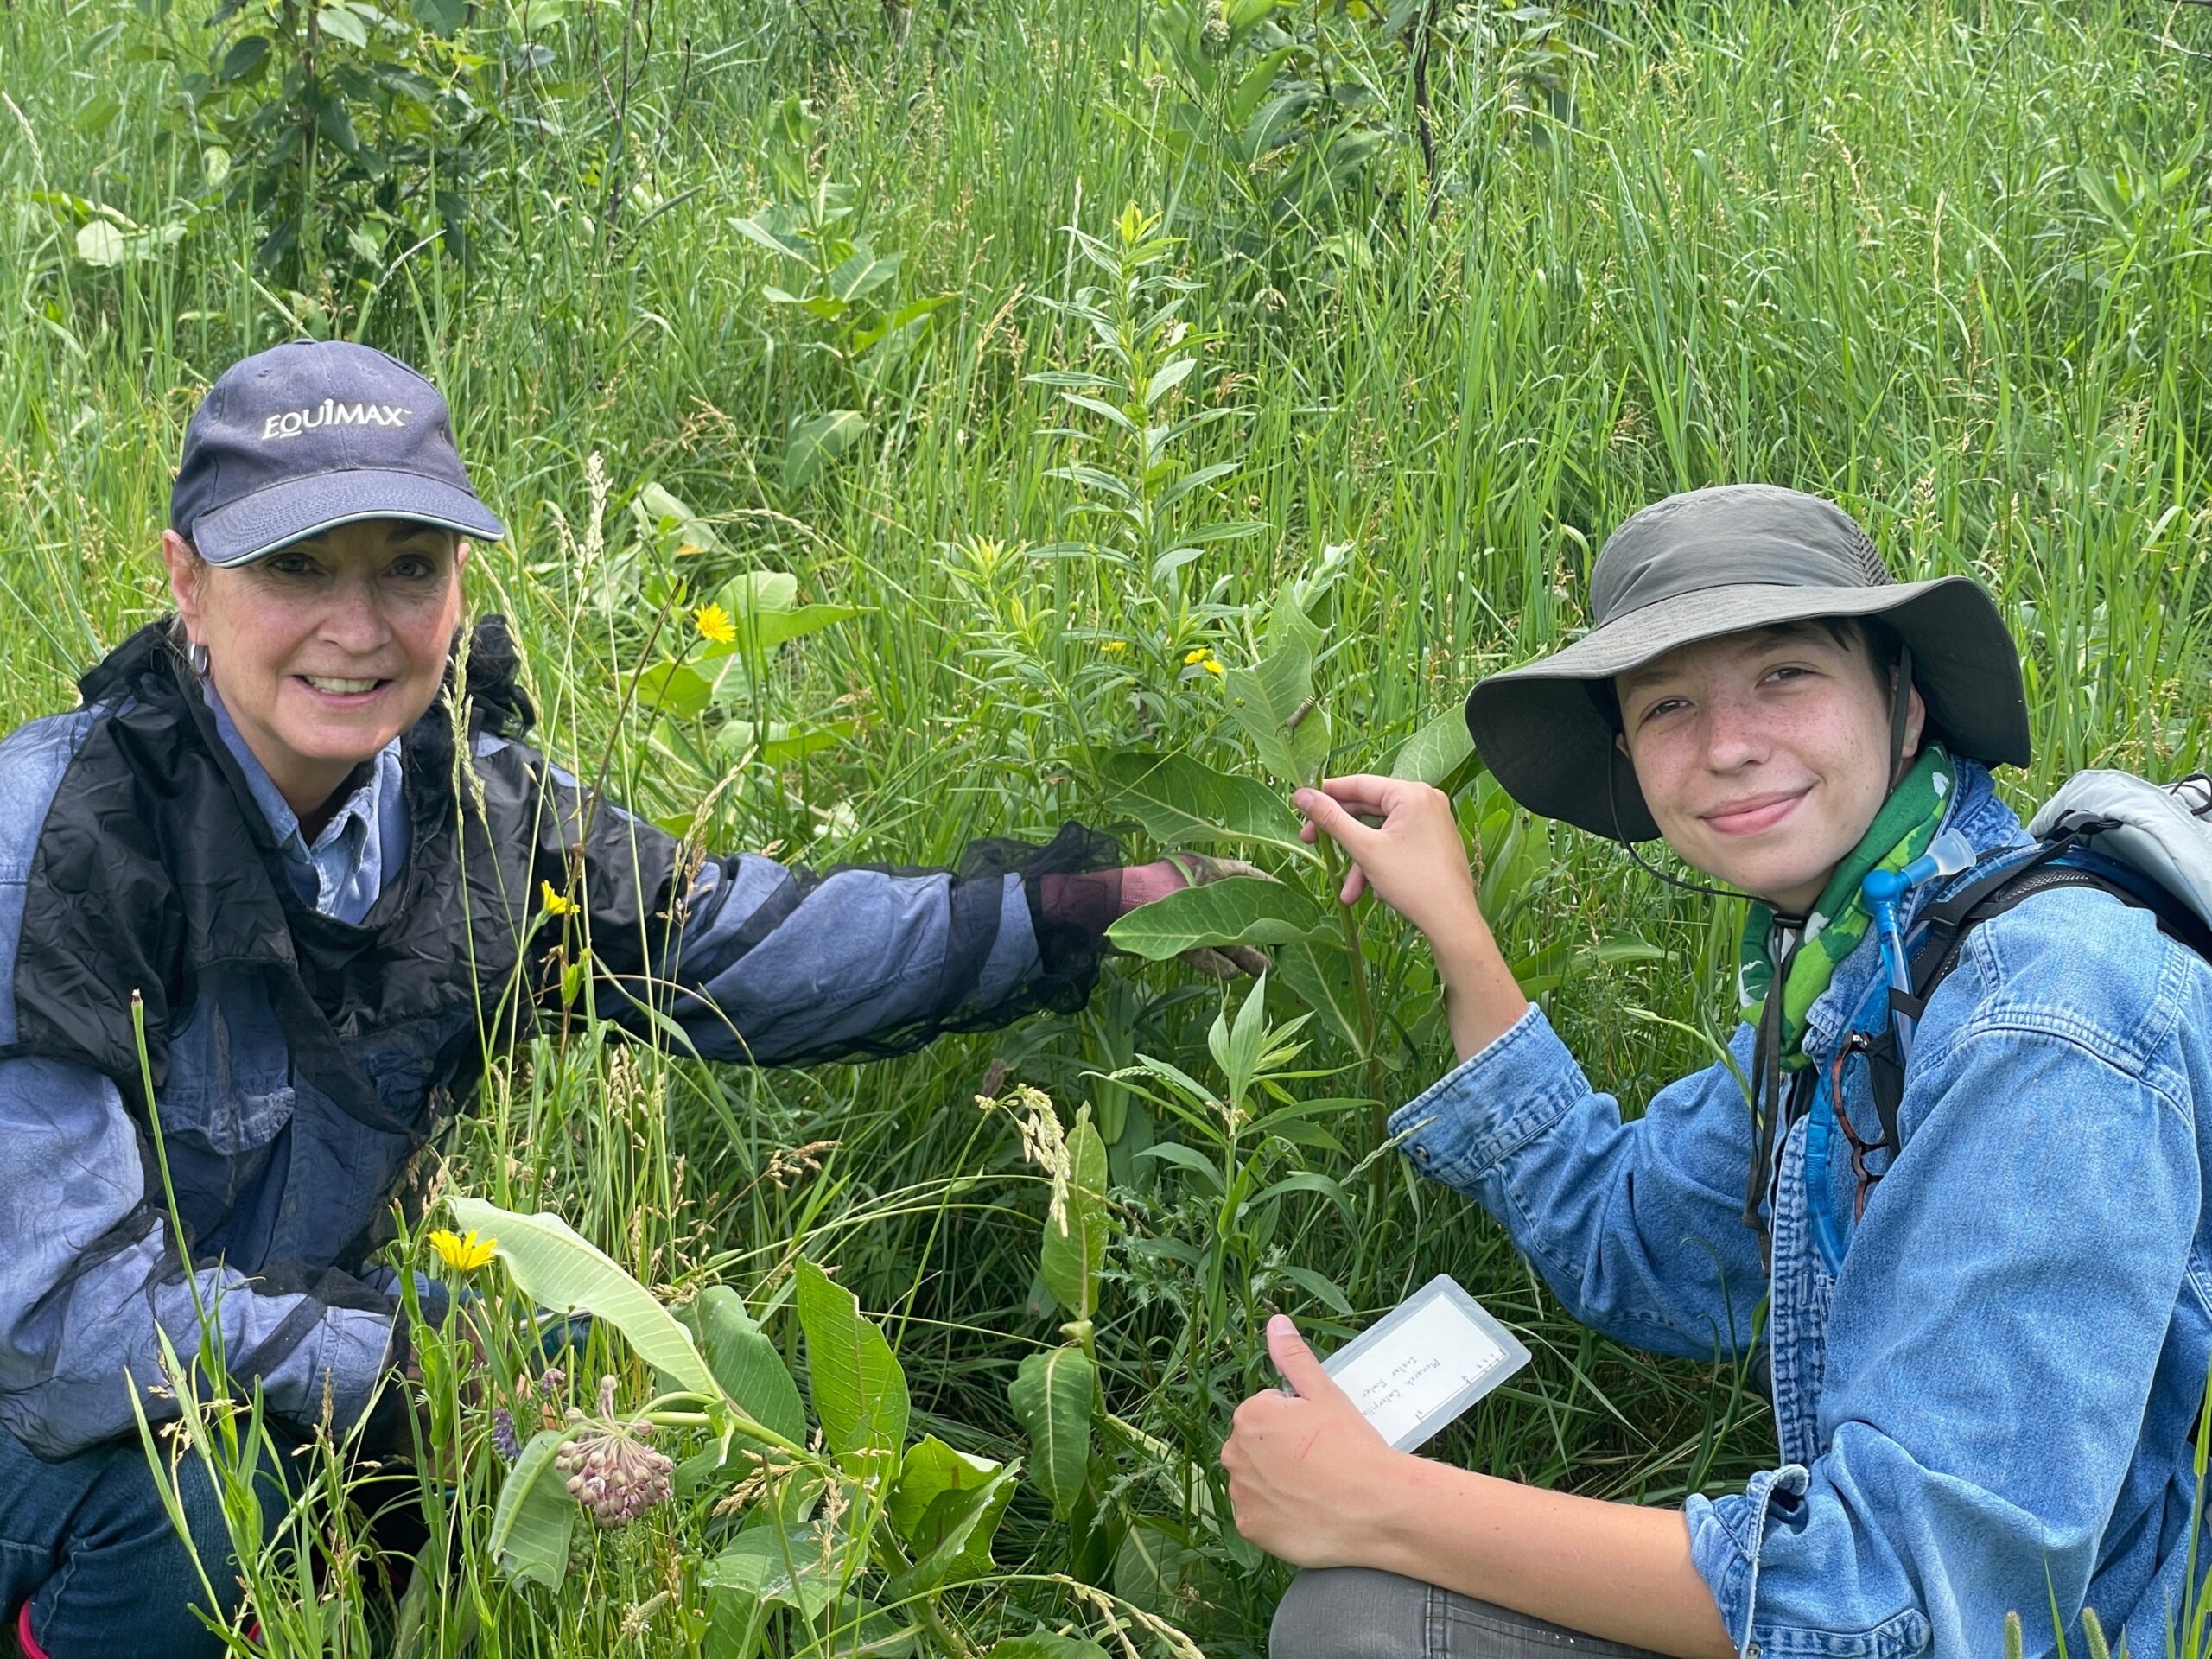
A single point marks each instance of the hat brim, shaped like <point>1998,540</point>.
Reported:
<point>1544,739</point>
<point>258,524</point>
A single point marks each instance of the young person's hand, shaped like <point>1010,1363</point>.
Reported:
<point>1414,861</point>
<point>1306,1475</point>
<point>1416,864</point>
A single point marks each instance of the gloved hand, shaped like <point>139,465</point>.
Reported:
<point>1143,883</point>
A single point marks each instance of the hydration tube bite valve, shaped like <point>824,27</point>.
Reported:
<point>1885,891</point>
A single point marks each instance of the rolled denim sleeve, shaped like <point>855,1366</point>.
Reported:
<point>1638,1225</point>
<point>89,1283</point>
<point>1993,1339</point>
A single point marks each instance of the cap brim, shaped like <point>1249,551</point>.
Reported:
<point>1544,739</point>
<point>275,517</point>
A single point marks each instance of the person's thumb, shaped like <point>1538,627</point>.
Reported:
<point>1331,818</point>
<point>1296,1362</point>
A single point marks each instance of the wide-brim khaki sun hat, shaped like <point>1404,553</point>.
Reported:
<point>1720,560</point>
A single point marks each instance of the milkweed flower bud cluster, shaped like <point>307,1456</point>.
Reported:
<point>1213,34</point>
<point>608,1467</point>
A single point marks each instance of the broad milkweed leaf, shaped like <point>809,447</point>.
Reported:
<point>930,1469</point>
<point>771,230</point>
<point>862,274</point>
<point>1075,1247</point>
<point>817,441</point>
<point>1155,1564</point>
<point>560,1269</point>
<point>777,1566</point>
<point>778,743</point>
<point>100,242</point>
<point>747,1363</point>
<point>674,688</point>
<point>953,1540</point>
<point>1321,975</point>
<point>1438,750</point>
<point>1273,700</point>
<point>1236,910</point>
<point>755,593</point>
<point>1180,802</point>
<point>1051,1397</point>
<point>1044,1644</point>
<point>531,1526</point>
<point>860,1393</point>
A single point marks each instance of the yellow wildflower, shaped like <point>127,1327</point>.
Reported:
<point>714,624</point>
<point>463,1252</point>
<point>1115,647</point>
<point>1211,666</point>
<point>1192,658</point>
<point>557,903</point>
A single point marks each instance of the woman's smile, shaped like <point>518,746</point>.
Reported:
<point>343,692</point>
<point>1753,814</point>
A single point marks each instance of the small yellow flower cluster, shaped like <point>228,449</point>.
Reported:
<point>1203,658</point>
<point>463,1252</point>
<point>715,624</point>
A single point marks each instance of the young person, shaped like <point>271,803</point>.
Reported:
<point>1986,1351</point>
<point>257,831</point>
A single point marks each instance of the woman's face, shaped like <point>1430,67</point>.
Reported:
<point>1765,755</point>
<point>325,650</point>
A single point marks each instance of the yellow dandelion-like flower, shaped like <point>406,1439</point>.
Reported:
<point>1115,647</point>
<point>1212,666</point>
<point>463,1252</point>
<point>714,624</point>
<point>557,903</point>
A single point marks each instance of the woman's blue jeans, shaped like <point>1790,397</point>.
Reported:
<point>88,1544</point>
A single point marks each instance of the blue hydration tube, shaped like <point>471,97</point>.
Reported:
<point>1884,892</point>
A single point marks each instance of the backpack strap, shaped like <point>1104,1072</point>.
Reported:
<point>2055,863</point>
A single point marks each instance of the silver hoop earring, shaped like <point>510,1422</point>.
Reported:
<point>197,657</point>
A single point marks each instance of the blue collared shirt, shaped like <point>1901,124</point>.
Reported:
<point>1984,1400</point>
<point>344,869</point>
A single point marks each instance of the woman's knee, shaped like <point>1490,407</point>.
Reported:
<point>127,1580</point>
<point>1351,1612</point>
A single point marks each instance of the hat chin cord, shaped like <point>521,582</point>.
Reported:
<point>1613,806</point>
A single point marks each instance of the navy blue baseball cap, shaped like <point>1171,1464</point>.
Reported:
<point>300,438</point>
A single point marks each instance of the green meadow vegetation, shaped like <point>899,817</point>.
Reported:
<point>925,422</point>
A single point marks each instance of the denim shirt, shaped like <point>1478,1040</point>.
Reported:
<point>770,966</point>
<point>1984,1390</point>
<point>343,871</point>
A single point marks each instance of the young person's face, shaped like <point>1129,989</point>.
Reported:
<point>1765,755</point>
<point>325,650</point>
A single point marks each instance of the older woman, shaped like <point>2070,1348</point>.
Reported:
<point>255,843</point>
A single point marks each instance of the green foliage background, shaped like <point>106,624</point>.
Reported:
<point>1945,261</point>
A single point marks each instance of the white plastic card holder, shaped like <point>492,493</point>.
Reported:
<point>1425,1361</point>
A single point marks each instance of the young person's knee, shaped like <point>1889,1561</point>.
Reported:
<point>1350,1612</point>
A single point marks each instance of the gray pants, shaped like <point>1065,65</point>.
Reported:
<point>1355,1612</point>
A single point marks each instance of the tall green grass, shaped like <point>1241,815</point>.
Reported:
<point>1944,261</point>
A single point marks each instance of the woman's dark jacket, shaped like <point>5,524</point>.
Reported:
<point>149,874</point>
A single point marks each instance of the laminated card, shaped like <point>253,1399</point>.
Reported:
<point>1425,1361</point>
